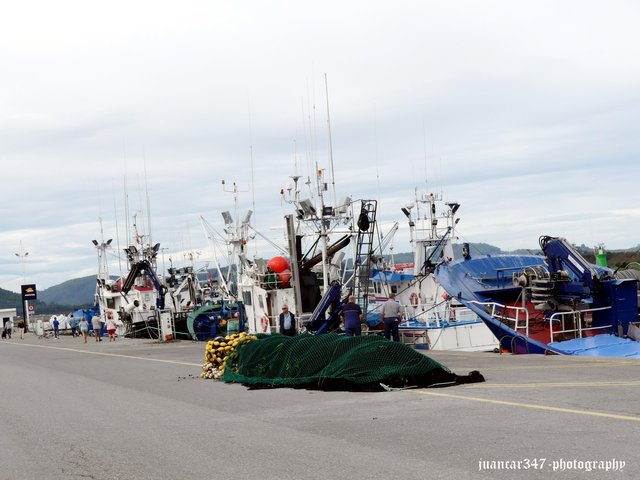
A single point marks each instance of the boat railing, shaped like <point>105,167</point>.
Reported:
<point>431,314</point>
<point>519,315</point>
<point>577,318</point>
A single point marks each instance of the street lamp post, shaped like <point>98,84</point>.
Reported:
<point>25,303</point>
<point>103,266</point>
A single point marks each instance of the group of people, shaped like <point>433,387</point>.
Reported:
<point>7,328</point>
<point>391,314</point>
<point>352,318</point>
<point>80,327</point>
<point>351,315</point>
<point>96,324</point>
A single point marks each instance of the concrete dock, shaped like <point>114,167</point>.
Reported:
<point>136,409</point>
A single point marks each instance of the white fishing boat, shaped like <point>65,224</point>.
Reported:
<point>306,268</point>
<point>142,303</point>
<point>432,319</point>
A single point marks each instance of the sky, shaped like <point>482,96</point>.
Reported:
<point>527,113</point>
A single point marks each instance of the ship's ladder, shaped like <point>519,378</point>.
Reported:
<point>364,252</point>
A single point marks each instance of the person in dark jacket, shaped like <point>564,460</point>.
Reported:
<point>287,322</point>
<point>73,323</point>
<point>352,317</point>
<point>21,328</point>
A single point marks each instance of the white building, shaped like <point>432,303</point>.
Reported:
<point>7,314</point>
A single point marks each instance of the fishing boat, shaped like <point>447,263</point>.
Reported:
<point>308,272</point>
<point>556,302</point>
<point>432,318</point>
<point>143,303</point>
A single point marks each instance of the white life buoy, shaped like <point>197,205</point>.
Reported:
<point>414,299</point>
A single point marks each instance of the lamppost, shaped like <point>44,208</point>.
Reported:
<point>25,304</point>
<point>103,267</point>
<point>22,255</point>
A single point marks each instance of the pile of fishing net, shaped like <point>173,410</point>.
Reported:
<point>336,362</point>
<point>218,352</point>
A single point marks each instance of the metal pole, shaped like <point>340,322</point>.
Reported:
<point>25,314</point>
<point>25,304</point>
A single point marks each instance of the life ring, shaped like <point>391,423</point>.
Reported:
<point>414,299</point>
<point>264,323</point>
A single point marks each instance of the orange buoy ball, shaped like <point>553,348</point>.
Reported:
<point>284,277</point>
<point>278,264</point>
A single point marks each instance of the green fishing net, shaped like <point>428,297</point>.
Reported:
<point>333,362</point>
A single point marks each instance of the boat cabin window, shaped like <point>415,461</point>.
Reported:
<point>246,296</point>
<point>111,303</point>
<point>394,289</point>
<point>260,302</point>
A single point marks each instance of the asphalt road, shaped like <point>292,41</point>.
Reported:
<point>135,409</point>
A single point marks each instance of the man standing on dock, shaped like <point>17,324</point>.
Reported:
<point>56,327</point>
<point>287,321</point>
<point>391,315</point>
<point>96,323</point>
<point>352,317</point>
<point>21,328</point>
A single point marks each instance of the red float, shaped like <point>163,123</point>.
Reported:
<point>284,277</point>
<point>278,264</point>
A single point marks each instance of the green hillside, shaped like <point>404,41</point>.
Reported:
<point>10,300</point>
<point>79,291</point>
<point>14,300</point>
<point>66,297</point>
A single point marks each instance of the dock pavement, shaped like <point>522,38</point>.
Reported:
<point>137,409</point>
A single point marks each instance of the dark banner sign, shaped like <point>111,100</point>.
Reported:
<point>29,292</point>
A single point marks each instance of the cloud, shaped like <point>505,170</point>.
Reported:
<point>526,113</point>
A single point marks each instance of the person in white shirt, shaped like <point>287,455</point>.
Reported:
<point>96,323</point>
<point>391,315</point>
<point>8,327</point>
<point>111,327</point>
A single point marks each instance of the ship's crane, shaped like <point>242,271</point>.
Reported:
<point>569,283</point>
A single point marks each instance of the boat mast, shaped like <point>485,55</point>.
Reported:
<point>103,265</point>
<point>323,231</point>
<point>237,235</point>
<point>146,188</point>
<point>333,176</point>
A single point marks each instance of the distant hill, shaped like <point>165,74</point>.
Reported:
<point>10,300</point>
<point>65,297</point>
<point>79,291</point>
<point>14,300</point>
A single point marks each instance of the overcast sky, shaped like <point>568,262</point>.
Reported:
<point>525,112</point>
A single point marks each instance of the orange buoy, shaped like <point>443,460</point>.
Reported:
<point>278,264</point>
